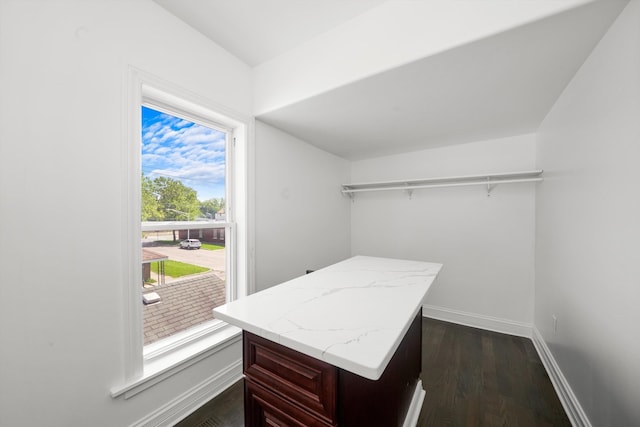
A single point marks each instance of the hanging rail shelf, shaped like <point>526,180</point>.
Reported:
<point>490,180</point>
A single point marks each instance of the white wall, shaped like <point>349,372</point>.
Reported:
<point>588,228</point>
<point>63,75</point>
<point>485,243</point>
<point>63,70</point>
<point>302,219</point>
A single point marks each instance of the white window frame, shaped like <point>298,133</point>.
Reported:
<point>147,365</point>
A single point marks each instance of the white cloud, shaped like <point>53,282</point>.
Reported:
<point>191,153</point>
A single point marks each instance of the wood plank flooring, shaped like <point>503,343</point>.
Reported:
<point>225,410</point>
<point>472,378</point>
<point>480,378</point>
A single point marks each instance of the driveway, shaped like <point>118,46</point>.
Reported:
<point>215,260</point>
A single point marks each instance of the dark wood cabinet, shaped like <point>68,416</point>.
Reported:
<point>265,408</point>
<point>304,381</point>
<point>284,387</point>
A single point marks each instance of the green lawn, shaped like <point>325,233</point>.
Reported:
<point>211,246</point>
<point>178,269</point>
<point>207,246</point>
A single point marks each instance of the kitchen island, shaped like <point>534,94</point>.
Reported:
<point>339,346</point>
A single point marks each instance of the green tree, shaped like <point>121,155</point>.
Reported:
<point>168,199</point>
<point>173,194</point>
<point>210,207</point>
<point>150,206</point>
<point>163,196</point>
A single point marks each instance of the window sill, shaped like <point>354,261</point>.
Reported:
<point>164,366</point>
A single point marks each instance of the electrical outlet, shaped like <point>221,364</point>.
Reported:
<point>555,323</point>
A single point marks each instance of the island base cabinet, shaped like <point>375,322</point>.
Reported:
<point>286,388</point>
<point>265,408</point>
<point>384,402</point>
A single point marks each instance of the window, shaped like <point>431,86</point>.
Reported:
<point>184,186</point>
<point>187,208</point>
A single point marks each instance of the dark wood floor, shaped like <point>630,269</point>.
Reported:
<point>480,378</point>
<point>472,378</point>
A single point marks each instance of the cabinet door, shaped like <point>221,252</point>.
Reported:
<point>302,380</point>
<point>264,409</point>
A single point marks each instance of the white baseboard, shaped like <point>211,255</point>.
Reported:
<point>413,413</point>
<point>504,326</point>
<point>183,405</point>
<point>569,401</point>
<point>186,403</point>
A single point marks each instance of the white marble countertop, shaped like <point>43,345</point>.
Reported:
<point>352,314</point>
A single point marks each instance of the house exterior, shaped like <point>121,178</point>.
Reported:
<point>211,235</point>
<point>148,257</point>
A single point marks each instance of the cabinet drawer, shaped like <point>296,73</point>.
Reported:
<point>263,408</point>
<point>300,379</point>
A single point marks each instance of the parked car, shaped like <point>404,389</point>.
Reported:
<point>190,244</point>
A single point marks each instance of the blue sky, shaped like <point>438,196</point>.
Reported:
<point>184,151</point>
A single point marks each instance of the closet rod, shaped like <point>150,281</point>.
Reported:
<point>490,180</point>
<point>451,184</point>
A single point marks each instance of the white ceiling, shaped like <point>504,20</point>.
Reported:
<point>497,86</point>
<point>258,30</point>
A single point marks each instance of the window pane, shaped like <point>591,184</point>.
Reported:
<point>187,282</point>
<point>183,197</point>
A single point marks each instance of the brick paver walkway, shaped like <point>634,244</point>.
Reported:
<point>183,303</point>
